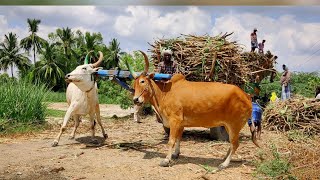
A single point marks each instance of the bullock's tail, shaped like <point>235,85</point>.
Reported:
<point>254,135</point>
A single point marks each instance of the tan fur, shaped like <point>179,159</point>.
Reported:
<point>182,103</point>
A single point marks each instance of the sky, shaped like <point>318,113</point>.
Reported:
<point>291,32</point>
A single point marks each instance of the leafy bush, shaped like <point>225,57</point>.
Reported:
<point>301,83</point>
<point>112,93</point>
<point>22,102</point>
<point>305,83</point>
<point>276,167</point>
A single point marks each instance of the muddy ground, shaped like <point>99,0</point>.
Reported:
<point>132,151</point>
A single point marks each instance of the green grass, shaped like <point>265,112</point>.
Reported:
<point>55,113</point>
<point>7,128</point>
<point>55,97</point>
<point>298,136</point>
<point>21,106</point>
<point>208,168</point>
<point>276,167</point>
<point>22,102</point>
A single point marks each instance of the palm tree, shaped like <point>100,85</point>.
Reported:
<point>66,37</point>
<point>33,40</point>
<point>112,55</point>
<point>66,40</point>
<point>10,54</point>
<point>86,43</point>
<point>48,69</point>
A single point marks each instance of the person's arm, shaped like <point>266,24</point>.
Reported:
<point>158,69</point>
<point>288,76</point>
<point>282,78</point>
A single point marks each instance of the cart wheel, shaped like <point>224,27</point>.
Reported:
<point>219,133</point>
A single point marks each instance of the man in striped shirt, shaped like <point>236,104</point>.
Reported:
<point>167,66</point>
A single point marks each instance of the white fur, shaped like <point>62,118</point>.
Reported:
<point>82,97</point>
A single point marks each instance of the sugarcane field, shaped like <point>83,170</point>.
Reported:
<point>145,92</point>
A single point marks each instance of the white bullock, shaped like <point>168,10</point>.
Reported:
<point>82,97</point>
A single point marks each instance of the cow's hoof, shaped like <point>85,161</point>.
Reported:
<point>54,144</point>
<point>222,166</point>
<point>105,136</point>
<point>175,156</point>
<point>165,163</point>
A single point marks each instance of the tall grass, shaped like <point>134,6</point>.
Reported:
<point>22,102</point>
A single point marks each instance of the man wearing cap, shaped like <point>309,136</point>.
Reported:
<point>254,40</point>
<point>167,65</point>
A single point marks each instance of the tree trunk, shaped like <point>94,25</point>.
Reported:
<point>12,70</point>
<point>34,55</point>
<point>66,63</point>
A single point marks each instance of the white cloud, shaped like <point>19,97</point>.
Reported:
<point>5,29</point>
<point>285,36</point>
<point>87,15</point>
<point>149,23</point>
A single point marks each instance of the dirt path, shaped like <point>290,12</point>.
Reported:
<point>106,110</point>
<point>132,151</point>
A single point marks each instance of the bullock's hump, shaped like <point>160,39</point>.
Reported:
<point>177,77</point>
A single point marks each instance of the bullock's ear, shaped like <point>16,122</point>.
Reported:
<point>151,76</point>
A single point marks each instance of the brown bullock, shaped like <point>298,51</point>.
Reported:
<point>181,103</point>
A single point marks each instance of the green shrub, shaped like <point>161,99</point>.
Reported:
<point>301,83</point>
<point>22,102</point>
<point>113,93</point>
<point>276,167</point>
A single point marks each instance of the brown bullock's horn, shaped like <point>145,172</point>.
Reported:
<point>96,64</point>
<point>146,61</point>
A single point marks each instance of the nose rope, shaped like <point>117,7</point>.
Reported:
<point>142,91</point>
<point>92,75</point>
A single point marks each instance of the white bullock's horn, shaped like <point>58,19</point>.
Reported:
<point>96,64</point>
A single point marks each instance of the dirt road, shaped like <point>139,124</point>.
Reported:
<point>132,151</point>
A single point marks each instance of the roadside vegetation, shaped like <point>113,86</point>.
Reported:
<point>21,105</point>
<point>40,80</point>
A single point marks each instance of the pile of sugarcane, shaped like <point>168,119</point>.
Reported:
<point>204,58</point>
<point>294,114</point>
<point>207,58</point>
<point>259,64</point>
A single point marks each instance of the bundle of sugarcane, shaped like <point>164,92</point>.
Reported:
<point>298,114</point>
<point>205,58</point>
<point>259,64</point>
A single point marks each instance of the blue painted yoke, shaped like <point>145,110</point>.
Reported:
<point>126,74</point>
